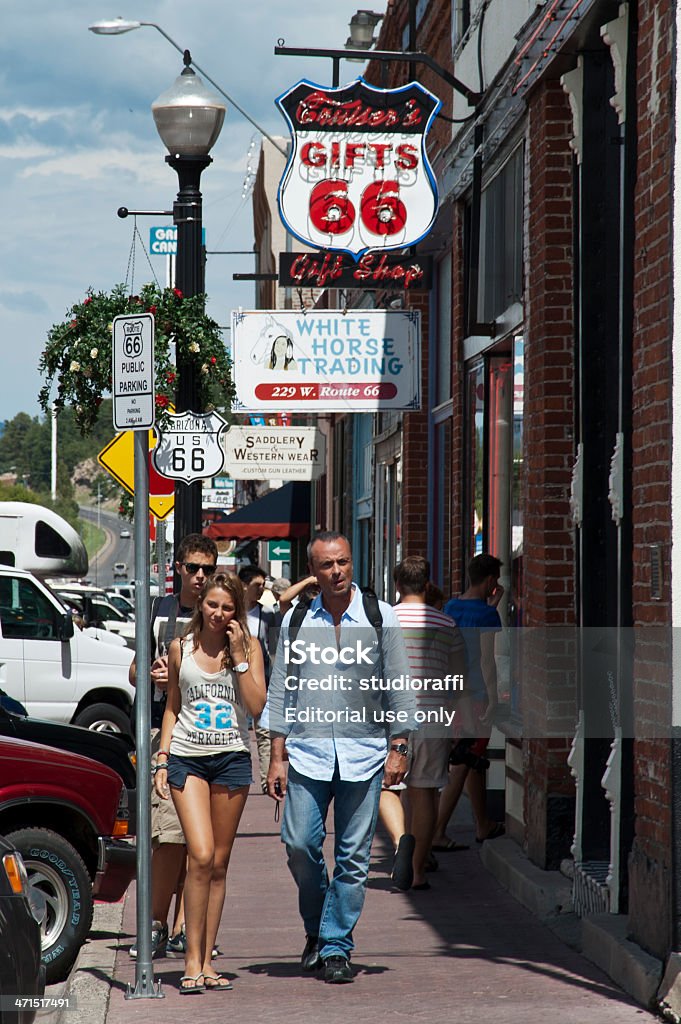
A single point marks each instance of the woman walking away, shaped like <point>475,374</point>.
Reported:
<point>215,679</point>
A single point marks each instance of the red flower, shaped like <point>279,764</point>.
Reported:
<point>162,401</point>
<point>87,301</point>
<point>177,292</point>
<point>74,323</point>
<point>98,401</point>
<point>151,309</point>
<point>213,360</point>
<point>121,510</point>
<point>170,377</point>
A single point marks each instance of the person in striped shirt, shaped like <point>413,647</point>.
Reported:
<point>435,650</point>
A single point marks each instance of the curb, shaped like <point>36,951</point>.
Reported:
<point>88,986</point>
<point>601,938</point>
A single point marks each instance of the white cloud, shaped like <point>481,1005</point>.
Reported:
<point>100,164</point>
<point>77,141</point>
<point>24,149</point>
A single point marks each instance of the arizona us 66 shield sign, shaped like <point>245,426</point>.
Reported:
<point>357,361</point>
<point>358,175</point>
<point>189,446</point>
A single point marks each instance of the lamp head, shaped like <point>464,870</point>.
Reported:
<point>362,25</point>
<point>113,27</point>
<point>188,115</point>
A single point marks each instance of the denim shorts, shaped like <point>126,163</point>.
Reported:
<point>232,769</point>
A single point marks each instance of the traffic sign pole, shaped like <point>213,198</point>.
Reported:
<point>134,404</point>
<point>145,986</point>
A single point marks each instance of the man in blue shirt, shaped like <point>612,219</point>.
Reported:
<point>333,712</point>
<point>475,613</point>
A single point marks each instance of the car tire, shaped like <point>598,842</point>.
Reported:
<point>57,869</point>
<point>103,718</point>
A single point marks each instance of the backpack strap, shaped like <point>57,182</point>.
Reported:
<point>372,611</point>
<point>299,612</point>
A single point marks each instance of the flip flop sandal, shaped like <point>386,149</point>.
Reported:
<point>218,986</point>
<point>191,990</point>
<point>498,829</point>
<point>451,846</point>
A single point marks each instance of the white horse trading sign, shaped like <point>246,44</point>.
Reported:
<point>358,176</point>
<point>189,447</point>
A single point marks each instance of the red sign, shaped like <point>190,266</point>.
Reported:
<point>338,270</point>
<point>358,176</point>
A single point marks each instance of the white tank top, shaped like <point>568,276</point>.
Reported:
<point>212,719</point>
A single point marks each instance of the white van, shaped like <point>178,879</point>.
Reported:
<point>56,670</point>
<point>35,538</point>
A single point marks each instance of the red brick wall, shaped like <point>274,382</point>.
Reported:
<point>650,859</point>
<point>549,452</point>
<point>549,447</point>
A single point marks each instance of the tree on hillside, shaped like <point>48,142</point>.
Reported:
<point>25,446</point>
<point>63,506</point>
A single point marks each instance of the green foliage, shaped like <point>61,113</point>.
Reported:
<point>77,355</point>
<point>25,447</point>
<point>65,507</point>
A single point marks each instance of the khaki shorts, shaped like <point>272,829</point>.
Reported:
<point>429,759</point>
<point>165,824</point>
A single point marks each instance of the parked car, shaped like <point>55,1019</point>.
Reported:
<point>125,534</point>
<point>22,911</point>
<point>96,609</point>
<point>59,672</point>
<point>120,569</point>
<point>67,816</point>
<point>123,605</point>
<point>115,750</point>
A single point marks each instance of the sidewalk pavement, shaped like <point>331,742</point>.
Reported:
<point>465,950</point>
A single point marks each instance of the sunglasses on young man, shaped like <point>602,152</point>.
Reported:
<point>194,567</point>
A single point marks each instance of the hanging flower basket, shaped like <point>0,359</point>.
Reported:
<point>77,355</point>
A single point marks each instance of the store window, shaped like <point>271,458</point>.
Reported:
<point>501,240</point>
<point>389,519</point>
<point>461,19</point>
<point>499,463</point>
<point>490,432</point>
<point>475,433</point>
<point>517,489</point>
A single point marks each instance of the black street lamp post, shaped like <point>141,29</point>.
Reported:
<point>189,118</point>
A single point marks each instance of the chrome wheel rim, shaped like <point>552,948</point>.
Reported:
<point>52,886</point>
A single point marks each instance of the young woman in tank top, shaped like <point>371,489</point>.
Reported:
<point>215,680</point>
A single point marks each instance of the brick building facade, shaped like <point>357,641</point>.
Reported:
<point>551,444</point>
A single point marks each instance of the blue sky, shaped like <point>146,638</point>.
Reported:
<point>77,141</point>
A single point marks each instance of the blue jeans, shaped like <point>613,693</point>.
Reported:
<point>330,909</point>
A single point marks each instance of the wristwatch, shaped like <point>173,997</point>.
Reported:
<point>242,667</point>
<point>400,748</point>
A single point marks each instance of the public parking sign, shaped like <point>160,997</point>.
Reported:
<point>133,372</point>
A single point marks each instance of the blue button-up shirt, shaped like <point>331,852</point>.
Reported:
<point>380,708</point>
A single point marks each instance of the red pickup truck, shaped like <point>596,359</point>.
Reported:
<point>67,816</point>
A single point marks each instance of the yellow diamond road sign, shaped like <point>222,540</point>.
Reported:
<point>118,459</point>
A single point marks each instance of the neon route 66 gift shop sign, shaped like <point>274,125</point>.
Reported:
<point>358,176</point>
